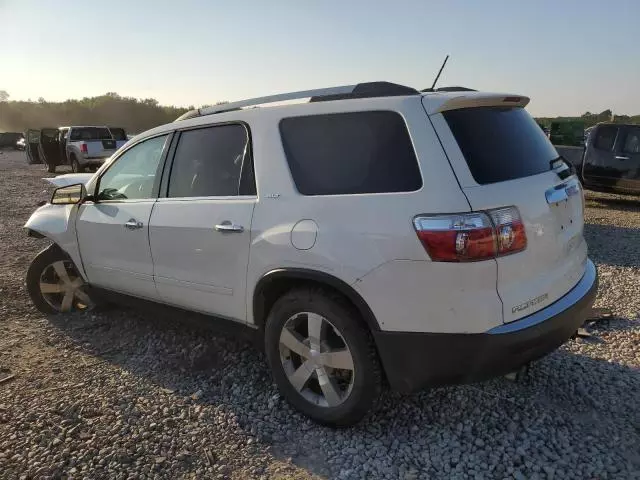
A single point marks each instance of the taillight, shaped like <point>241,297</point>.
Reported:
<point>510,234</point>
<point>83,148</point>
<point>468,237</point>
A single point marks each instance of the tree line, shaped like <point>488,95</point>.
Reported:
<point>134,115</point>
<point>137,115</point>
<point>591,119</point>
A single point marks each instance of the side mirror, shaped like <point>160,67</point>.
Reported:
<point>69,195</point>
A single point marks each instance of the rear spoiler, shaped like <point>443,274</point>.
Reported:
<point>438,103</point>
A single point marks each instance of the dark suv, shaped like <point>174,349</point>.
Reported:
<point>612,158</point>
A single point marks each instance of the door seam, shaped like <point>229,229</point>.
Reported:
<point>153,263</point>
<point>246,273</point>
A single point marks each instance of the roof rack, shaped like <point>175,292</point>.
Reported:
<point>360,90</point>
<point>449,89</point>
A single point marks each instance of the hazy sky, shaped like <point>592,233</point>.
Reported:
<point>568,56</point>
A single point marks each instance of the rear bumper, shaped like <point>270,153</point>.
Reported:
<point>413,361</point>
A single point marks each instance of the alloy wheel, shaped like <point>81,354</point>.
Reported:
<point>62,288</point>
<point>316,359</point>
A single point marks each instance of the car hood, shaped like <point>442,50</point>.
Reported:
<point>69,179</point>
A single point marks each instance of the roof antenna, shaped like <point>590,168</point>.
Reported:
<point>437,76</point>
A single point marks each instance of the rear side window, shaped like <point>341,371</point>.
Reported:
<point>118,133</point>
<point>500,144</point>
<point>349,153</point>
<point>90,133</point>
<point>210,162</point>
<point>632,141</point>
<point>605,138</point>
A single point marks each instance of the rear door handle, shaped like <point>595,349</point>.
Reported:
<point>133,224</point>
<point>621,157</point>
<point>229,227</point>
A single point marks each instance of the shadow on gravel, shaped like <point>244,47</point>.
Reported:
<point>623,204</point>
<point>613,245</point>
<point>594,397</point>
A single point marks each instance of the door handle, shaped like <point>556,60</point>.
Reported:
<point>228,227</point>
<point>133,224</point>
<point>621,157</point>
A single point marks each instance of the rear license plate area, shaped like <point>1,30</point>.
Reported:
<point>563,211</point>
<point>109,144</point>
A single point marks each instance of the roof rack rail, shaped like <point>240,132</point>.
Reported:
<point>449,89</point>
<point>360,90</point>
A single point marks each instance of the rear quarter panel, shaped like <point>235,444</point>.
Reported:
<point>358,235</point>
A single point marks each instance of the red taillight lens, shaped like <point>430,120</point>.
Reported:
<point>471,237</point>
<point>457,238</point>
<point>83,148</point>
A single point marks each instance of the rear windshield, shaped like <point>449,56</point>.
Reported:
<point>118,133</point>
<point>500,144</point>
<point>90,133</point>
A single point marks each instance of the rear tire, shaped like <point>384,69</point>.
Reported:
<point>51,168</point>
<point>75,165</point>
<point>334,376</point>
<point>54,284</point>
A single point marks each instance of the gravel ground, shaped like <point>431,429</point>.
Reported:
<point>119,395</point>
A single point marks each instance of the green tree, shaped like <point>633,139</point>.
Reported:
<point>135,115</point>
<point>4,96</point>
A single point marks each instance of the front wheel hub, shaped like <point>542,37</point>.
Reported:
<point>62,288</point>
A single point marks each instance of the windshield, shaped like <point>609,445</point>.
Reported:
<point>500,143</point>
<point>90,133</point>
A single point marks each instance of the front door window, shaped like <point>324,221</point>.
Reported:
<point>133,175</point>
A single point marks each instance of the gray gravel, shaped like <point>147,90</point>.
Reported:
<point>122,395</point>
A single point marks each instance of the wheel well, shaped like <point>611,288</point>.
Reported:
<point>275,284</point>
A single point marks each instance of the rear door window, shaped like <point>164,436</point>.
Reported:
<point>500,143</point>
<point>350,153</point>
<point>605,138</point>
<point>33,136</point>
<point>631,142</point>
<point>211,162</point>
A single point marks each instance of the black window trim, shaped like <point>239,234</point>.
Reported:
<point>164,189</point>
<point>157,180</point>
<point>408,130</point>
<point>614,145</point>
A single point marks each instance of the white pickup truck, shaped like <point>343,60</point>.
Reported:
<point>82,147</point>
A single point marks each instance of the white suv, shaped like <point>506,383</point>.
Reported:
<point>368,234</point>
